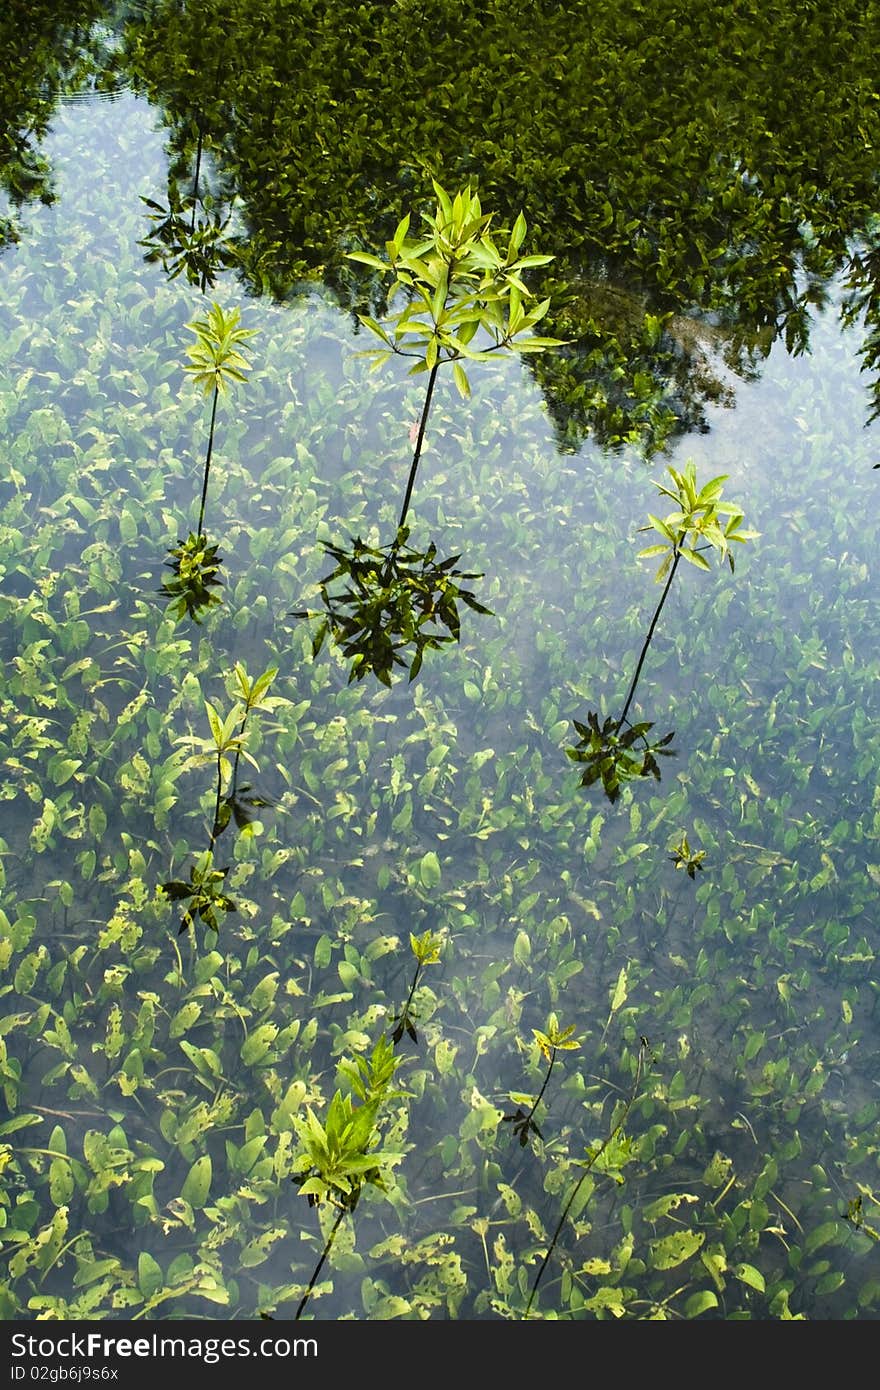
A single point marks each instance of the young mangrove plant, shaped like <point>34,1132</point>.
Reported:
<point>555,1040</point>
<point>683,857</point>
<point>224,747</point>
<point>616,750</point>
<point>394,601</point>
<point>216,361</point>
<point>457,282</point>
<point>610,1152</point>
<point>426,949</point>
<point>336,1160</point>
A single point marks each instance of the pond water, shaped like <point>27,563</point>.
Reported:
<point>706,1144</point>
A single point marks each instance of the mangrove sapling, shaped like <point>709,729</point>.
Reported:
<point>595,1152</point>
<point>240,802</point>
<point>457,283</point>
<point>216,361</point>
<point>555,1040</point>
<point>337,1159</point>
<point>683,857</point>
<point>426,949</point>
<point>616,750</point>
<point>224,748</point>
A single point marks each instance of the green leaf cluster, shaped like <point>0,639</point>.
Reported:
<point>458,282</point>
<point>697,524</point>
<point>195,574</point>
<point>216,358</point>
<point>616,752</point>
<point>338,1157</point>
<point>204,894</point>
<point>395,604</point>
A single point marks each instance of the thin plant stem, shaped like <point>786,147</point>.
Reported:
<point>543,1088</point>
<point>215,833</point>
<point>418,449</point>
<point>208,461</point>
<point>319,1266</point>
<point>647,642</point>
<point>233,787</point>
<point>412,990</point>
<point>593,1159</point>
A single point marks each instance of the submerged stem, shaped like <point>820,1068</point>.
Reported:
<point>208,461</point>
<point>319,1266</point>
<point>412,989</point>
<point>647,642</point>
<point>588,1167</point>
<point>418,449</point>
<point>543,1088</point>
<point>215,831</point>
<point>233,786</point>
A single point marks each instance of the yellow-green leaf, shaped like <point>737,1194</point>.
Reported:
<point>674,1249</point>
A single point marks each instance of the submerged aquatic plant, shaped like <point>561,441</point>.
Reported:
<point>395,602</point>
<point>616,750</point>
<point>426,949</point>
<point>551,1042</point>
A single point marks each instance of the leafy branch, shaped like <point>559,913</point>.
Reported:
<point>393,598</point>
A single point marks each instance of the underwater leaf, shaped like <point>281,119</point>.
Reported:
<point>197,1183</point>
<point>149,1274</point>
<point>751,1276</point>
<point>674,1249</point>
<point>429,869</point>
<point>620,991</point>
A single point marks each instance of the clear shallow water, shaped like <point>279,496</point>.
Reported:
<point>545,891</point>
